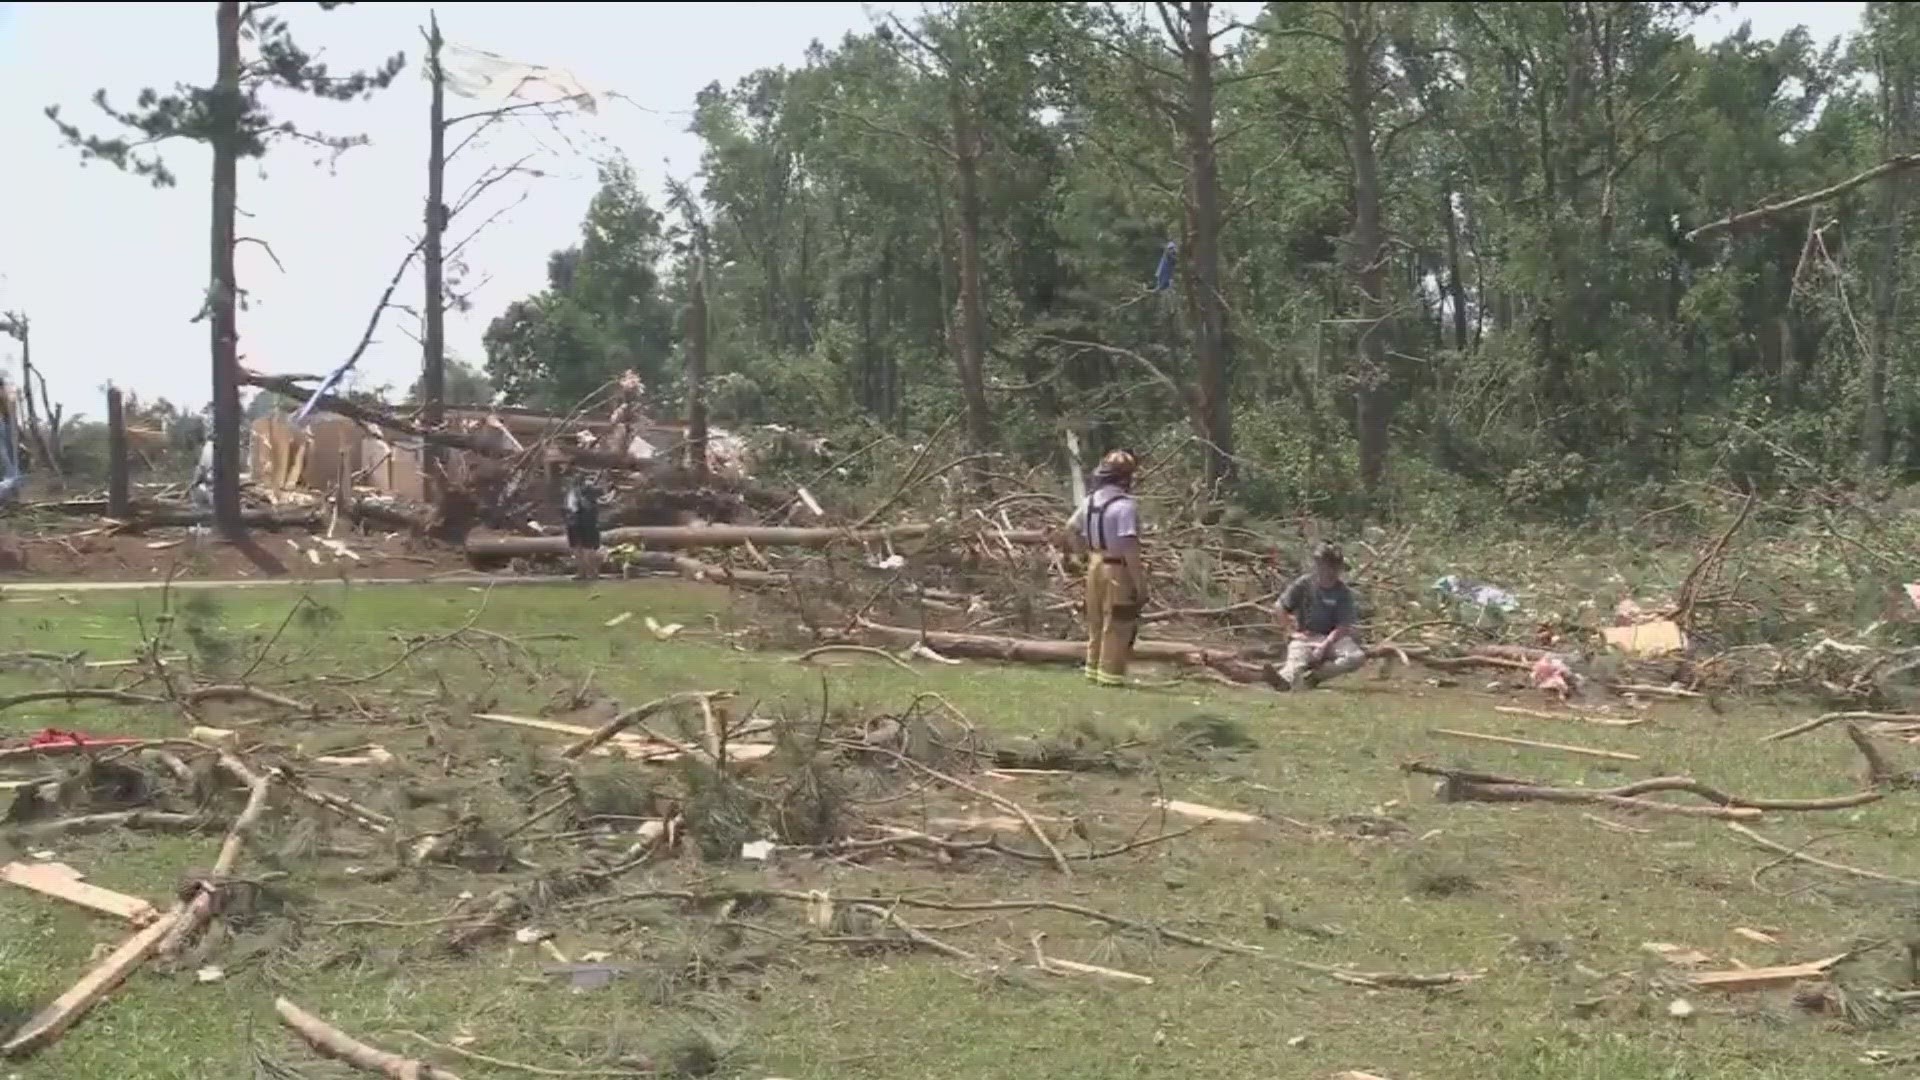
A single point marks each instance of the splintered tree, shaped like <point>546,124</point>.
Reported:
<point>46,444</point>
<point>440,214</point>
<point>233,121</point>
<point>696,251</point>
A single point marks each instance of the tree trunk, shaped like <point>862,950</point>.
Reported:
<point>970,357</point>
<point>1373,399</point>
<point>1456,289</point>
<point>223,290</point>
<point>1206,305</point>
<point>697,364</point>
<point>433,344</point>
<point>1896,96</point>
<point>48,454</point>
<point>117,493</point>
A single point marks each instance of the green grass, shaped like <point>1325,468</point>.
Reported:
<point>1553,907</point>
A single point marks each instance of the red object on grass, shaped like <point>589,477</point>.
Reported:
<point>54,737</point>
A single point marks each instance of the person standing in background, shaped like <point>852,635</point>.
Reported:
<point>1107,524</point>
<point>583,525</point>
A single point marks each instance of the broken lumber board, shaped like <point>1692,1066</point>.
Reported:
<point>1764,978</point>
<point>51,1022</point>
<point>62,883</point>
<point>1508,740</point>
<point>1206,813</point>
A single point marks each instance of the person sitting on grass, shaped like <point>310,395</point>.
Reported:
<point>583,525</point>
<point>1320,617</point>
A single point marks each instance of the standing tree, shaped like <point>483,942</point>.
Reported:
<point>233,121</point>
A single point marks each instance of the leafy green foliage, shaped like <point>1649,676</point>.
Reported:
<point>1534,329</point>
<point>601,313</point>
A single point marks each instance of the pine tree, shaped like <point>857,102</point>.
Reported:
<point>232,120</point>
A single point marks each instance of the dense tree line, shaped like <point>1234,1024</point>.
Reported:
<point>1409,247</point>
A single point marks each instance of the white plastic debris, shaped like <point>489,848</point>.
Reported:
<point>757,850</point>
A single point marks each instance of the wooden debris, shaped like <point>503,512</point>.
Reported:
<point>63,883</point>
<point>1756,936</point>
<point>214,736</point>
<point>1658,691</point>
<point>1206,813</point>
<point>1822,721</point>
<point>1055,966</point>
<point>1764,978</point>
<point>1507,740</point>
<point>1462,784</point>
<point>198,911</point>
<point>330,1042</point>
<point>374,755</point>
<point>633,716</point>
<point>1584,718</point>
<point>1801,856</point>
<point>53,1021</point>
<point>1678,955</point>
<point>1657,638</point>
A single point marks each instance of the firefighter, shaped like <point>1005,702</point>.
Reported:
<point>1108,525</point>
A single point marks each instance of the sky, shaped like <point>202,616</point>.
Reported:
<point>111,271</point>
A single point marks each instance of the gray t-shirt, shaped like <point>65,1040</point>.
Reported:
<point>1108,515</point>
<point>1317,610</point>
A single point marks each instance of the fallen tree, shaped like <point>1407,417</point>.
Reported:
<point>680,537</point>
<point>286,386</point>
<point>1237,666</point>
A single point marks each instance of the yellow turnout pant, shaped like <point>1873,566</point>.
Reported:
<point>1113,615</point>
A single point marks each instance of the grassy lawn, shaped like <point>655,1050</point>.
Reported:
<point>1357,865</point>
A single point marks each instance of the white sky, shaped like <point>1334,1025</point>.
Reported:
<point>111,270</point>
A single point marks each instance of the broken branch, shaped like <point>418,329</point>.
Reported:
<point>330,1042</point>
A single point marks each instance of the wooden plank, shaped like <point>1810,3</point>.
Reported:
<point>68,1008</point>
<point>63,883</point>
<point>1765,978</point>
<point>1507,740</point>
<point>1206,813</point>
